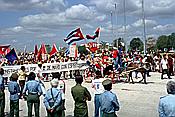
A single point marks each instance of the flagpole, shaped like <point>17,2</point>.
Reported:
<point>144,26</point>
<point>112,24</point>
<point>116,23</point>
<point>124,35</point>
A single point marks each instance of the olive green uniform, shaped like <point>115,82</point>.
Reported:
<point>80,95</point>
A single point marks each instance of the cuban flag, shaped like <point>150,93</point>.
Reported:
<point>96,35</point>
<point>73,36</point>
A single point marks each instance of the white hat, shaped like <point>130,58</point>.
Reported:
<point>54,82</point>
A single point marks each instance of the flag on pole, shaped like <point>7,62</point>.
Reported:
<point>96,35</point>
<point>11,56</point>
<point>36,50</point>
<point>41,52</point>
<point>54,50</point>
<point>73,36</point>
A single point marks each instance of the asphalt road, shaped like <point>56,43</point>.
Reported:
<point>136,100</point>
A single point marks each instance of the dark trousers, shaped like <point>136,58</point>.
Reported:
<point>21,84</point>
<point>97,105</point>
<point>14,108</point>
<point>33,100</point>
<point>109,114</point>
<point>2,103</point>
<point>165,71</point>
<point>59,113</point>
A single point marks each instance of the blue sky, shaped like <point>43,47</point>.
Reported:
<point>30,22</point>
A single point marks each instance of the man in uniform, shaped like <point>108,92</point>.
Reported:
<point>108,100</point>
<point>52,100</point>
<point>34,92</point>
<point>14,90</point>
<point>2,94</point>
<point>80,95</point>
<point>167,103</point>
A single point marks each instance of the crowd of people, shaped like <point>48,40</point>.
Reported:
<point>29,86</point>
<point>54,99</point>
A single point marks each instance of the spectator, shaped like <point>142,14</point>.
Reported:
<point>167,103</point>
<point>108,100</point>
<point>80,95</point>
<point>34,92</point>
<point>14,90</point>
<point>52,100</point>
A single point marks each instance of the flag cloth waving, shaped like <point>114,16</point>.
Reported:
<point>54,50</point>
<point>11,56</point>
<point>94,36</point>
<point>73,36</point>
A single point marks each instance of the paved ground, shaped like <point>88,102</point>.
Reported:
<point>136,100</point>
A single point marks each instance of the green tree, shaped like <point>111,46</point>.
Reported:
<point>136,44</point>
<point>166,41</point>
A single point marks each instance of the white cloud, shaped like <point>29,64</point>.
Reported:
<point>45,5</point>
<point>149,23</point>
<point>165,28</point>
<point>109,5</point>
<point>79,12</point>
<point>100,18</point>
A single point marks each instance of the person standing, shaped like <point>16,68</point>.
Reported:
<point>22,79</point>
<point>170,64</point>
<point>14,90</point>
<point>52,100</point>
<point>108,100</point>
<point>61,86</point>
<point>80,95</point>
<point>98,87</point>
<point>34,92</point>
<point>166,106</point>
<point>164,64</point>
<point>40,77</point>
<point>2,94</point>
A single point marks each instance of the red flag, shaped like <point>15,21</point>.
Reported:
<point>41,51</point>
<point>54,50</point>
<point>36,50</point>
<point>4,49</point>
<point>96,35</point>
<point>1,52</point>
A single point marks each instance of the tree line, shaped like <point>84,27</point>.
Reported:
<point>162,42</point>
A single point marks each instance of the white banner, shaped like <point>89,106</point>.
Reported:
<point>46,67</point>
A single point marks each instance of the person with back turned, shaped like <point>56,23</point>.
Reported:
<point>52,100</point>
<point>80,95</point>
<point>108,100</point>
<point>14,90</point>
<point>33,91</point>
<point>167,103</point>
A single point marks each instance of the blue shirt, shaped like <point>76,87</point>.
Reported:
<point>2,87</point>
<point>14,89</point>
<point>32,87</point>
<point>167,106</point>
<point>109,102</point>
<point>48,98</point>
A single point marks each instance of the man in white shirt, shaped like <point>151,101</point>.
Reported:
<point>98,87</point>
<point>164,64</point>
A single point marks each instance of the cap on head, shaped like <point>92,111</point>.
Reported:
<point>54,82</point>
<point>106,82</point>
